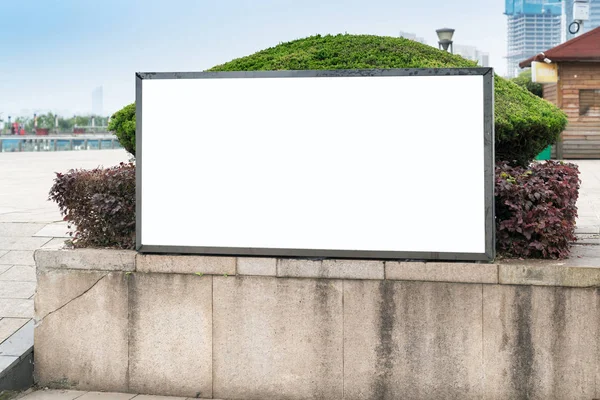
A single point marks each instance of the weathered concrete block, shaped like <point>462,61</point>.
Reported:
<point>412,340</point>
<point>266,266</point>
<point>441,272</point>
<point>179,264</point>
<point>91,259</point>
<point>540,342</point>
<point>56,287</point>
<point>170,341</point>
<point>542,274</point>
<point>277,338</point>
<point>334,269</point>
<point>82,343</point>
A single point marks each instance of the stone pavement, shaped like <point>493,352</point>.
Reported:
<point>588,203</point>
<point>28,221</point>
<point>73,395</point>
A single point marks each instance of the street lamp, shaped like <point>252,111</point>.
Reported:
<point>445,39</point>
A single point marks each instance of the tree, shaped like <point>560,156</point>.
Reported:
<point>525,81</point>
<point>46,121</point>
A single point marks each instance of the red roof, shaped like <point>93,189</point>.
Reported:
<point>585,47</point>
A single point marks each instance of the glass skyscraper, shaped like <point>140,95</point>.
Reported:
<point>533,26</point>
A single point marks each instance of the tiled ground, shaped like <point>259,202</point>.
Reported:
<point>588,203</point>
<point>73,395</point>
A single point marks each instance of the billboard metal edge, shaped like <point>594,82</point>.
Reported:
<point>489,166</point>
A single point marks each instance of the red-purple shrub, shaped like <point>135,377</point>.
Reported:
<point>101,205</point>
<point>535,209</point>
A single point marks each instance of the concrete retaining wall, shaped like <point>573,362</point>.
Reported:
<point>248,328</point>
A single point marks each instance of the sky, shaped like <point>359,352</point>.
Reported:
<point>54,53</point>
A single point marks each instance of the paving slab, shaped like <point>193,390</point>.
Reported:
<point>12,229</point>
<point>18,257</point>
<point>20,273</point>
<point>8,326</point>
<point>16,290</point>
<point>6,210</point>
<point>24,217</point>
<point>53,395</point>
<point>28,243</point>
<point>56,230</point>
<point>106,396</point>
<point>16,308</point>
<point>19,343</point>
<point>55,244</point>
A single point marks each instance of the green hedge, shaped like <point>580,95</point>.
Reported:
<point>122,123</point>
<point>525,124</point>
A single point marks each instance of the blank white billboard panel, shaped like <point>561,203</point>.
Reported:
<point>369,164</point>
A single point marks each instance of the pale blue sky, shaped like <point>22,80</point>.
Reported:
<point>53,53</point>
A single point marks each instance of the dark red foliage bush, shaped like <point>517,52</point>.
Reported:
<point>101,205</point>
<point>535,209</point>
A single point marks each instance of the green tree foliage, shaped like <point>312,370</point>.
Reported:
<point>525,124</point>
<point>525,81</point>
<point>46,121</point>
<point>122,123</point>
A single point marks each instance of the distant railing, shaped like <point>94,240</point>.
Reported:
<point>13,143</point>
<point>59,131</point>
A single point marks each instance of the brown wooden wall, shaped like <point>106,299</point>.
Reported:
<point>581,139</point>
<point>550,92</point>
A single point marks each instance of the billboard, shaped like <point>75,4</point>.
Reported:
<point>385,164</point>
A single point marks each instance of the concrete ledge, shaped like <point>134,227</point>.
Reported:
<point>441,272</point>
<point>332,269</point>
<point>90,259</point>
<point>257,266</point>
<point>181,264</point>
<point>548,275</point>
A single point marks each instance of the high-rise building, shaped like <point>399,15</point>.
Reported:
<point>533,26</point>
<point>97,101</point>
<point>592,23</point>
<point>472,53</point>
<point>412,36</point>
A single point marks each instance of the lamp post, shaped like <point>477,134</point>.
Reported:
<point>445,39</point>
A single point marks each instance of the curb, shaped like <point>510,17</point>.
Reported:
<point>16,359</point>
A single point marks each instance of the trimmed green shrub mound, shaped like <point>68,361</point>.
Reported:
<point>122,123</point>
<point>525,124</point>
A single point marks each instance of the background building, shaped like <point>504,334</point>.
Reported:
<point>593,23</point>
<point>472,53</point>
<point>533,26</point>
<point>412,36</point>
<point>97,101</point>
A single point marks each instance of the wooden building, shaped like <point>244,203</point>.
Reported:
<point>577,92</point>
